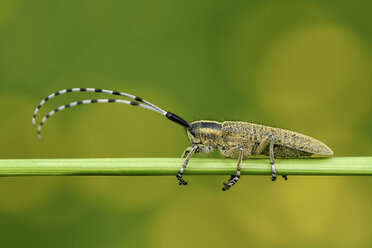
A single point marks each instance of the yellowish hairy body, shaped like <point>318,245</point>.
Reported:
<point>228,135</point>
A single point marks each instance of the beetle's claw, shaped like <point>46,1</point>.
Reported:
<point>180,179</point>
<point>232,181</point>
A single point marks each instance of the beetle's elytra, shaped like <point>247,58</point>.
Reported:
<point>234,139</point>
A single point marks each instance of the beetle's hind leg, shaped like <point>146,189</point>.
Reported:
<point>191,151</point>
<point>234,179</point>
<point>272,161</point>
<point>268,141</point>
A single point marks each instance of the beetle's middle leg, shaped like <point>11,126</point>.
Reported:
<point>191,151</point>
<point>234,179</point>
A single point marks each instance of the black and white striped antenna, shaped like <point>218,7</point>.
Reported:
<point>138,102</point>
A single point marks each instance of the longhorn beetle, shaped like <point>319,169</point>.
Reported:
<point>234,139</point>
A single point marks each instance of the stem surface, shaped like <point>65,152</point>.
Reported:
<point>170,166</point>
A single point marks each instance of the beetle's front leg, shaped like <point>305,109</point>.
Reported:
<point>234,179</point>
<point>186,151</point>
<point>191,151</point>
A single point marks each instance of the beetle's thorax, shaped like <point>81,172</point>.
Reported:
<point>206,134</point>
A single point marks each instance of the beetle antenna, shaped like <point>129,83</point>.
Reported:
<point>143,104</point>
<point>111,92</point>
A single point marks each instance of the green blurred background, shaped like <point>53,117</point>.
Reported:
<point>299,65</point>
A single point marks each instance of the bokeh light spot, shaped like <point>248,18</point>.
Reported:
<point>313,69</point>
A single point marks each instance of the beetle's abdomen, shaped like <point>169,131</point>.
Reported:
<point>255,133</point>
<point>301,142</point>
<point>286,152</point>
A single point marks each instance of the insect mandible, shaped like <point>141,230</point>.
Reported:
<point>234,139</point>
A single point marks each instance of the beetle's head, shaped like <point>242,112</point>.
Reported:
<point>193,132</point>
<point>204,133</point>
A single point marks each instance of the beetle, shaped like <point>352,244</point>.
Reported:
<point>234,139</point>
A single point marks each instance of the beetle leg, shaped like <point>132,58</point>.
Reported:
<point>261,147</point>
<point>272,161</point>
<point>234,179</point>
<point>180,172</point>
<point>188,149</point>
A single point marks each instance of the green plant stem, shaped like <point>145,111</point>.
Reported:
<point>170,166</point>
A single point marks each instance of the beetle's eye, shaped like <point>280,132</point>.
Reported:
<point>192,131</point>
